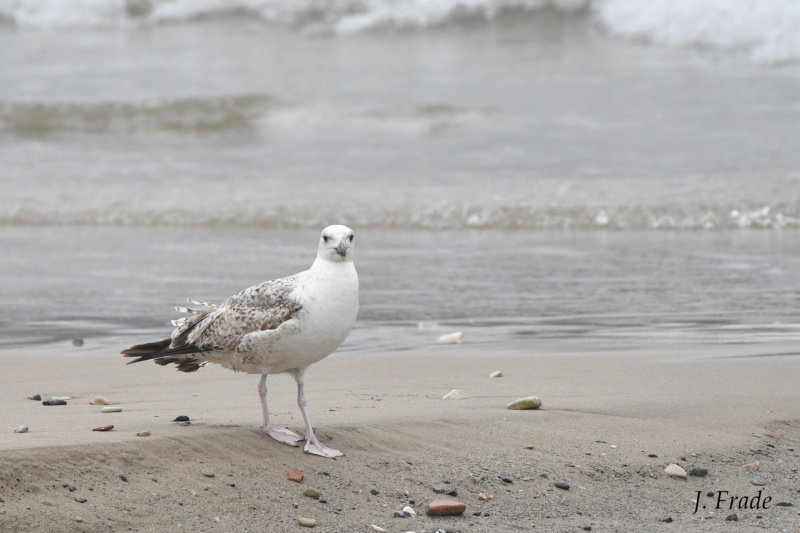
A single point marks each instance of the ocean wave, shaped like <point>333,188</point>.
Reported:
<point>439,217</point>
<point>766,29</point>
<point>177,115</point>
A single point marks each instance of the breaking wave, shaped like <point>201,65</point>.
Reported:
<point>766,30</point>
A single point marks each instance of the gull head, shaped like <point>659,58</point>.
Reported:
<point>336,244</point>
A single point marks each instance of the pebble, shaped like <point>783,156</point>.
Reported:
<point>374,492</point>
<point>123,477</point>
<point>143,434</point>
<point>207,473</point>
<point>759,482</point>
<point>732,517</point>
<point>80,500</point>
<point>401,514</point>
<point>409,510</point>
<point>65,398</point>
<point>485,497</point>
<point>311,493</point>
<point>35,397</point>
<point>296,476</point>
<point>457,337</point>
<point>455,394</point>
<point>752,466</point>
<point>379,529</point>
<point>21,429</point>
<point>784,504</point>
<point>561,485</point>
<point>531,402</point>
<point>77,342</point>
<point>111,409</point>
<point>306,522</point>
<point>496,374</point>
<point>675,471</point>
<point>182,418</point>
<point>699,472</point>
<point>98,400</point>
<point>506,479</point>
<point>438,490</point>
<point>446,507</point>
<point>54,402</point>
<point>104,428</point>
<point>453,492</point>
<point>564,500</point>
<point>652,455</point>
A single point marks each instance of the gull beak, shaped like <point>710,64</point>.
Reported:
<point>342,249</point>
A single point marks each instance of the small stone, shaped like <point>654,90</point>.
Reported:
<point>528,447</point>
<point>35,397</point>
<point>401,514</point>
<point>563,485</point>
<point>182,418</point>
<point>374,492</point>
<point>759,482</point>
<point>78,519</point>
<point>21,429</point>
<point>143,434</point>
<point>455,394</point>
<point>296,476</point>
<point>732,518</point>
<point>675,471</point>
<point>409,510</point>
<point>756,465</point>
<point>485,497</point>
<point>699,472</point>
<point>506,479</point>
<point>311,493</point>
<point>104,428</point>
<point>80,500</point>
<point>456,337</point>
<point>98,400</point>
<point>531,402</point>
<point>438,490</point>
<point>54,402</point>
<point>496,374</point>
<point>587,528</point>
<point>111,409</point>
<point>64,398</point>
<point>306,522</point>
<point>564,500</point>
<point>446,507</point>
<point>652,455</point>
<point>123,477</point>
<point>667,520</point>
<point>207,473</point>
<point>379,529</point>
<point>77,342</point>
<point>784,504</point>
<point>453,492</point>
<point>477,513</point>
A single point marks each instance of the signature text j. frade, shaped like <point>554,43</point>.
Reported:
<point>724,500</point>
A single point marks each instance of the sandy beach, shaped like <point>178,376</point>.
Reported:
<point>609,425</point>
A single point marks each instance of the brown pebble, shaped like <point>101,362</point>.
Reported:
<point>98,400</point>
<point>296,476</point>
<point>446,507</point>
<point>143,434</point>
<point>104,428</point>
<point>311,493</point>
<point>307,522</point>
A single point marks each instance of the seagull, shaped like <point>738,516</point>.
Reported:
<point>279,326</point>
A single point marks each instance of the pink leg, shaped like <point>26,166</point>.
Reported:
<point>283,435</point>
<point>312,446</point>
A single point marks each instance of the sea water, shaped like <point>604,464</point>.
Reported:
<point>541,175</point>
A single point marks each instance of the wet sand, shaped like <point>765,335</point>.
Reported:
<point>609,425</point>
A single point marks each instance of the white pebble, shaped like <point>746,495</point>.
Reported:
<point>496,374</point>
<point>456,337</point>
<point>675,471</point>
<point>111,409</point>
<point>379,529</point>
<point>98,400</point>
<point>57,398</point>
<point>531,402</point>
<point>21,429</point>
<point>455,394</point>
<point>409,510</point>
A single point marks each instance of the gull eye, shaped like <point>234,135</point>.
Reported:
<point>351,237</point>
<point>324,238</point>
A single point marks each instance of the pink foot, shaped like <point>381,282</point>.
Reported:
<point>323,451</point>
<point>284,435</point>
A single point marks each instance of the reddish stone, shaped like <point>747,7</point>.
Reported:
<point>446,507</point>
<point>295,476</point>
<point>104,428</point>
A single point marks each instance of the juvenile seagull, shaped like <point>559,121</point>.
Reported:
<point>282,325</point>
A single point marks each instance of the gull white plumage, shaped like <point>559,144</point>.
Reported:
<point>282,325</point>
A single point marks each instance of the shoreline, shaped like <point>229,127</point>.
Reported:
<point>603,414</point>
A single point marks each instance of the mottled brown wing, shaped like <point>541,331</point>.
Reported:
<point>225,327</point>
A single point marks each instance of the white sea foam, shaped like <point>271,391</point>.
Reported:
<point>767,30</point>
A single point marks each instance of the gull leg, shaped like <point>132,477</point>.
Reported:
<point>312,444</point>
<point>283,435</point>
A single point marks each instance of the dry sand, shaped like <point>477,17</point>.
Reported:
<point>602,418</point>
